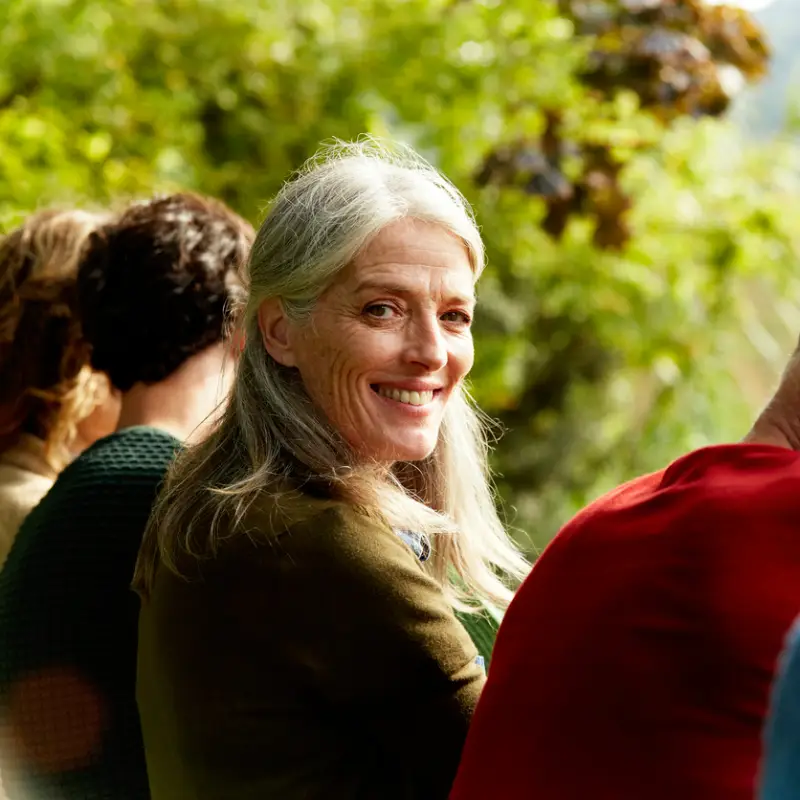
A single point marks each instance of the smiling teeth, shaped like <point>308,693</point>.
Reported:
<point>402,396</point>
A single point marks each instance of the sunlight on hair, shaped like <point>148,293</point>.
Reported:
<point>272,438</point>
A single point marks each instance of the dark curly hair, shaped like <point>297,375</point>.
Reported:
<point>155,286</point>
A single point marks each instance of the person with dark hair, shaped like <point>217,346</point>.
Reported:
<point>154,286</point>
<point>53,404</point>
<point>154,290</point>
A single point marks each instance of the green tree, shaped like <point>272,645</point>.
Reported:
<point>602,355</point>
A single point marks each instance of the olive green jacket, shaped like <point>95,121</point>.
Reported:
<point>315,660</point>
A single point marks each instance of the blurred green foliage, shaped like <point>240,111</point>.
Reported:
<point>601,362</point>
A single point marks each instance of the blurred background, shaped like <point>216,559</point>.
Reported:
<point>634,165</point>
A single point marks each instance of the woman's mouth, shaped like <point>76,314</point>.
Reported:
<point>410,398</point>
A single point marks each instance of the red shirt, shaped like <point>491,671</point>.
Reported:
<point>636,659</point>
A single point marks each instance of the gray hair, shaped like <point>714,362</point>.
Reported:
<point>271,435</point>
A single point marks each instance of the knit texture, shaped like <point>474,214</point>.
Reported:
<point>68,628</point>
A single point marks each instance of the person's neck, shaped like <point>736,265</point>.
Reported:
<point>778,425</point>
<point>774,436</point>
<point>145,404</point>
<point>185,404</point>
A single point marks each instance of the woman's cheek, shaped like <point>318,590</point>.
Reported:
<point>464,356</point>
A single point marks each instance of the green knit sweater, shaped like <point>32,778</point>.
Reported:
<point>68,627</point>
<point>68,624</point>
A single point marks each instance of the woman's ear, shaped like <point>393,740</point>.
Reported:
<point>274,326</point>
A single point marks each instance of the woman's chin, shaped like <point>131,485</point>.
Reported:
<point>411,448</point>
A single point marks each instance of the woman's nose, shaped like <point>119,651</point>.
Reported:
<point>426,344</point>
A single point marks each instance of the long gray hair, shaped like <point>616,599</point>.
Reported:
<point>271,438</point>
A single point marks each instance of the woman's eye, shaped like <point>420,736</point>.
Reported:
<point>460,317</point>
<point>379,311</point>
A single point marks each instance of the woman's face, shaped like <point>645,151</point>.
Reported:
<point>390,340</point>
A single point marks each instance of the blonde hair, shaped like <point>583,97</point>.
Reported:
<point>270,435</point>
<point>47,385</point>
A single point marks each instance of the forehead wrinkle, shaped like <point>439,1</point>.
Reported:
<point>416,285</point>
<point>391,263</point>
<point>407,257</point>
<point>394,242</point>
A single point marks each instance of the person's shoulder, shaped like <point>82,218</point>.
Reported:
<point>613,554</point>
<point>326,540</point>
<point>130,452</point>
<point>711,501</point>
<point>132,446</point>
<point>117,474</point>
<point>731,487</point>
<point>745,464</point>
<point>19,485</point>
<point>19,496</point>
<point>316,546</point>
<point>325,528</point>
<point>608,509</point>
<point>708,482</point>
<point>344,524</point>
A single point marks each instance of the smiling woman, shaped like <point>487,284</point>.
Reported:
<point>302,567</point>
<point>390,342</point>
